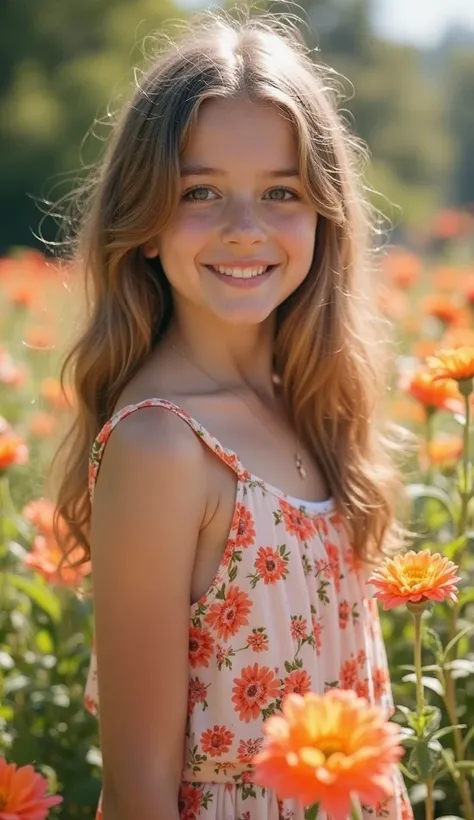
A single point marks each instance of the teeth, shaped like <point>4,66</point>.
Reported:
<point>240,273</point>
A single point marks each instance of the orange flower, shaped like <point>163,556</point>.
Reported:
<point>402,268</point>
<point>13,449</point>
<point>43,425</point>
<point>405,410</point>
<point>443,308</point>
<point>46,555</point>
<point>415,577</point>
<point>39,337</point>
<point>329,749</point>
<point>52,392</point>
<point>433,394</point>
<point>455,364</point>
<point>445,450</point>
<point>458,337</point>
<point>23,793</point>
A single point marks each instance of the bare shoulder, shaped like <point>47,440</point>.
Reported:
<point>147,513</point>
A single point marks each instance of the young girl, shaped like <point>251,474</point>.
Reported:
<point>227,383</point>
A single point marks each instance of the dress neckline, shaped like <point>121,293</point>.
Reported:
<point>228,456</point>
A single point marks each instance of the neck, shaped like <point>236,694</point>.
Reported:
<point>235,358</point>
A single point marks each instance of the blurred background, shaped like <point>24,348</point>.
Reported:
<point>411,65</point>
<point>65,65</point>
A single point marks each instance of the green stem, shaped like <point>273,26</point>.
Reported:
<point>462,782</point>
<point>430,414</point>
<point>429,803</point>
<point>420,698</point>
<point>466,491</point>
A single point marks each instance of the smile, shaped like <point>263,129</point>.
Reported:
<point>240,273</point>
<point>242,277</point>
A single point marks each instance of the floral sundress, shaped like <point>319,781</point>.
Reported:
<point>287,611</point>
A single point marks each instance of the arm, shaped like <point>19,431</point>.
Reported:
<point>149,504</point>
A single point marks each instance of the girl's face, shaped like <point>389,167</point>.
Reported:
<point>242,238</point>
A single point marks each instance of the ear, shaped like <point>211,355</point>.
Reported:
<point>150,251</point>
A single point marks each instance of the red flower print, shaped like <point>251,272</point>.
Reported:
<point>296,522</point>
<point>362,689</point>
<point>298,682</point>
<point>258,641</point>
<point>229,615</point>
<point>244,526</point>
<point>380,680</point>
<point>197,692</point>
<point>252,691</point>
<point>361,657</point>
<point>333,555</point>
<point>348,674</point>
<point>344,613</point>
<point>353,562</point>
<point>299,628</point>
<point>189,801</point>
<point>317,632</point>
<point>321,527</point>
<point>216,741</point>
<point>322,567</point>
<point>270,565</point>
<point>201,644</point>
<point>246,778</point>
<point>248,749</point>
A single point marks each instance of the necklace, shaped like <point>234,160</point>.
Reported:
<point>297,457</point>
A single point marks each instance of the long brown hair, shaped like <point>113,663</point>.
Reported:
<point>329,344</point>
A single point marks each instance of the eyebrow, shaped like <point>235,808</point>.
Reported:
<point>204,170</point>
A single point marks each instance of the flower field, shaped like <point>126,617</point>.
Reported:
<point>426,597</point>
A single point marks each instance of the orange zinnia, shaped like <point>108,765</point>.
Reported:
<point>433,394</point>
<point>329,749</point>
<point>455,364</point>
<point>46,555</point>
<point>23,793</point>
<point>442,307</point>
<point>444,449</point>
<point>415,577</point>
<point>13,449</point>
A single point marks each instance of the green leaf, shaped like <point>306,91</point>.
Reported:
<point>452,643</point>
<point>422,759</point>
<point>446,730</point>
<point>466,597</point>
<point>468,738</point>
<point>430,683</point>
<point>424,491</point>
<point>451,549</point>
<point>312,812</point>
<point>407,773</point>
<point>461,667</point>
<point>40,594</point>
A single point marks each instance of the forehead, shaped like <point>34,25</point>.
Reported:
<point>243,132</point>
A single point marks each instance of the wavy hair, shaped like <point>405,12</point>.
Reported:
<point>330,344</point>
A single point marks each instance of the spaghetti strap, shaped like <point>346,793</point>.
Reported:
<point>227,456</point>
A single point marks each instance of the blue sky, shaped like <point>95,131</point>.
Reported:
<point>422,21</point>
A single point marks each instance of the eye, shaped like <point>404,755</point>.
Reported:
<point>198,194</point>
<point>282,195</point>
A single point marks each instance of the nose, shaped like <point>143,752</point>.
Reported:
<point>243,226</point>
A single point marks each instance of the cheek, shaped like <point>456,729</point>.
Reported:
<point>297,232</point>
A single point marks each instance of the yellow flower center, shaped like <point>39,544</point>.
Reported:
<point>414,576</point>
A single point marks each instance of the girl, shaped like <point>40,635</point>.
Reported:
<point>226,385</point>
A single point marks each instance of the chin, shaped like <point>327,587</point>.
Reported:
<point>245,316</point>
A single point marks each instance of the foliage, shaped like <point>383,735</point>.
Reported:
<point>63,66</point>
<point>46,628</point>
